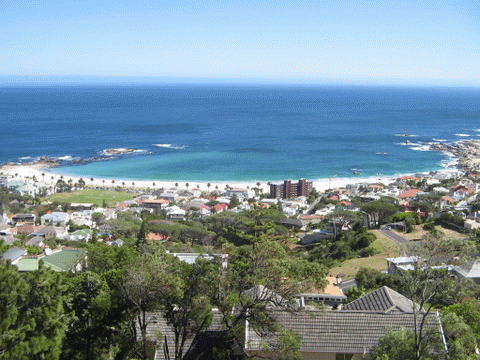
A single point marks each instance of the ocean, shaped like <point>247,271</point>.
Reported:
<point>236,132</point>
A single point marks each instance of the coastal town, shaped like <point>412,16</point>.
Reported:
<point>282,270</point>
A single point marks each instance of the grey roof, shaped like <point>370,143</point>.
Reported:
<point>13,254</point>
<point>8,239</point>
<point>339,331</point>
<point>383,300</point>
<point>157,326</point>
<point>261,293</point>
<point>470,272</point>
<point>35,241</point>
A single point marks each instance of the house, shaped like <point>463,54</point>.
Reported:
<point>60,260</point>
<point>13,255</point>
<point>193,346</point>
<point>117,243</point>
<point>170,196</point>
<point>409,194</point>
<point>190,258</point>
<point>55,219</point>
<point>220,207</point>
<point>8,239</point>
<point>24,218</point>
<point>401,263</point>
<point>157,236</point>
<point>155,203</point>
<point>332,295</point>
<point>36,241</point>
<point>242,194</point>
<point>80,235</point>
<point>175,213</point>
<point>50,232</point>
<point>27,229</point>
<point>348,333</point>
<point>468,271</point>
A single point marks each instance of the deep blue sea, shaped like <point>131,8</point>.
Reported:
<point>237,132</point>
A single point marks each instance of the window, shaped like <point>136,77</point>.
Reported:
<point>343,356</point>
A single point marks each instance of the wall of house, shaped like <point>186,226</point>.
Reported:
<point>262,355</point>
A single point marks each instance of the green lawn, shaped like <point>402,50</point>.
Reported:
<point>91,196</point>
<point>384,245</point>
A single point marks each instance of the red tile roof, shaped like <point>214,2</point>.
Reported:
<point>409,193</point>
<point>220,207</point>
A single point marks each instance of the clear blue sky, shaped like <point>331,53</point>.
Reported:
<point>391,41</point>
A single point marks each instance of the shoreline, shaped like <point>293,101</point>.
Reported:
<point>466,154</point>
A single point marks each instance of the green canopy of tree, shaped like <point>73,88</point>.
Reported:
<point>33,321</point>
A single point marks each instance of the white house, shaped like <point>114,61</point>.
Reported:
<point>55,219</point>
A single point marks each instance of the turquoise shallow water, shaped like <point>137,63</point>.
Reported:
<point>237,133</point>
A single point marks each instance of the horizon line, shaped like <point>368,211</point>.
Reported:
<point>8,80</point>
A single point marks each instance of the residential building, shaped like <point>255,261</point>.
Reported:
<point>349,333</point>
<point>289,190</point>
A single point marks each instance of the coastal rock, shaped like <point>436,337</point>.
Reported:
<point>466,152</point>
<point>118,151</point>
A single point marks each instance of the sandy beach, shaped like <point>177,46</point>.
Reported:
<point>43,172</point>
<point>467,154</point>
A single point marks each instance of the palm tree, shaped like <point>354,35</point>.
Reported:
<point>133,183</point>
<point>187,185</point>
<point>91,180</point>
<point>103,181</point>
<point>43,177</point>
<point>176,185</point>
<point>113,183</point>
<point>123,184</point>
<point>153,184</point>
<point>208,186</point>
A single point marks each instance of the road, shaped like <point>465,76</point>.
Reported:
<point>393,235</point>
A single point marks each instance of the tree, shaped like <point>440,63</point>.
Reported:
<point>395,345</point>
<point>139,289</point>
<point>187,185</point>
<point>234,202</point>
<point>427,284</point>
<point>90,334</point>
<point>34,320</point>
<point>342,218</point>
<point>187,293</point>
<point>378,211</point>
<point>460,337</point>
<point>98,218</point>
<point>142,237</point>
<point>208,186</point>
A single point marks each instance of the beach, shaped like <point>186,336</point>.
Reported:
<point>465,153</point>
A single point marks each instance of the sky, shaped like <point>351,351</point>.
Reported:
<point>327,41</point>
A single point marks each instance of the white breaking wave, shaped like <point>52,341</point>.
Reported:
<point>421,148</point>
<point>65,158</point>
<point>170,146</point>
<point>439,140</point>
<point>463,135</point>
<point>408,144</point>
<point>163,145</point>
<point>406,135</point>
